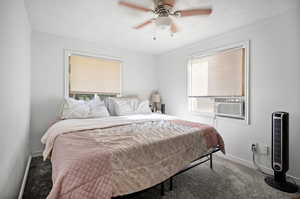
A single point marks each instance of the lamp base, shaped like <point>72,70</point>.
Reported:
<point>282,186</point>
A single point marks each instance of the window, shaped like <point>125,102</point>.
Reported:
<point>218,82</point>
<point>88,75</point>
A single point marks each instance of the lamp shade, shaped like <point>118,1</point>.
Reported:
<point>155,98</point>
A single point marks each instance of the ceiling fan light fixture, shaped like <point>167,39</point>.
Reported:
<point>163,22</point>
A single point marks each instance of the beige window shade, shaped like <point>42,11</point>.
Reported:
<point>94,75</point>
<point>221,74</point>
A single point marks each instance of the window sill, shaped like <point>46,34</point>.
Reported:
<point>204,114</point>
<point>220,117</point>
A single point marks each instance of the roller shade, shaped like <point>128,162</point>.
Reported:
<point>221,74</point>
<point>94,75</point>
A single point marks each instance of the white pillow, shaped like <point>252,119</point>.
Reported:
<point>123,107</point>
<point>110,106</point>
<point>97,108</point>
<point>75,109</point>
<point>80,109</point>
<point>143,107</point>
<point>130,107</point>
<point>111,103</point>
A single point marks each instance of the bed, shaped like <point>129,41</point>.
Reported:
<point>115,156</point>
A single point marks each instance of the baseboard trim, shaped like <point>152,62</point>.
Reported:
<point>25,177</point>
<point>250,165</point>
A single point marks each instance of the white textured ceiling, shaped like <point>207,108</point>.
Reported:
<point>106,22</point>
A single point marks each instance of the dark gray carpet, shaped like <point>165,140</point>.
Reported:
<point>227,181</point>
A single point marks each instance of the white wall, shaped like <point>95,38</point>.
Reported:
<point>14,95</point>
<point>275,84</point>
<point>48,76</point>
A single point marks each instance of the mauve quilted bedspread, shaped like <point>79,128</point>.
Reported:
<point>121,159</point>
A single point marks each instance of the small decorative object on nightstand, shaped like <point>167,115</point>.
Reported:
<point>163,108</point>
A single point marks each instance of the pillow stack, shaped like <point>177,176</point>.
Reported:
<point>79,109</point>
<point>129,106</point>
<point>95,108</point>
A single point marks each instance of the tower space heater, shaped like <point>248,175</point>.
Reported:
<point>280,153</point>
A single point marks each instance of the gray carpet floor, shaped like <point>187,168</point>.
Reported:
<point>228,180</point>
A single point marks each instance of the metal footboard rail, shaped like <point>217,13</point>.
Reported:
<point>208,157</point>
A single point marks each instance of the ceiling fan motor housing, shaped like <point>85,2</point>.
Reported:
<point>163,10</point>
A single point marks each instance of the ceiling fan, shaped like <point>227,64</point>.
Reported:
<point>164,10</point>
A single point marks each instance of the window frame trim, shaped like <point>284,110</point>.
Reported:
<point>211,51</point>
<point>70,52</point>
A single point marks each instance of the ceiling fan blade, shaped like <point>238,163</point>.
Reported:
<point>193,12</point>
<point>144,24</point>
<point>174,28</point>
<point>170,3</point>
<point>133,6</point>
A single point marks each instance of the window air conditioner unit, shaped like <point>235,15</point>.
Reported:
<point>230,107</point>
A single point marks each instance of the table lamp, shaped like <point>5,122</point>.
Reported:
<point>155,100</point>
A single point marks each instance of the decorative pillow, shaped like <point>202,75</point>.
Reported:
<point>123,107</point>
<point>97,108</point>
<point>75,109</point>
<point>111,103</point>
<point>130,107</point>
<point>143,107</point>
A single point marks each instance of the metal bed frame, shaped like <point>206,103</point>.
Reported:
<point>208,157</point>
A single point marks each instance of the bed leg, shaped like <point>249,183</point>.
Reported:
<point>171,183</point>
<point>162,189</point>
<point>211,161</point>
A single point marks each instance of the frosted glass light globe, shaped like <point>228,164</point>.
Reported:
<point>163,22</point>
